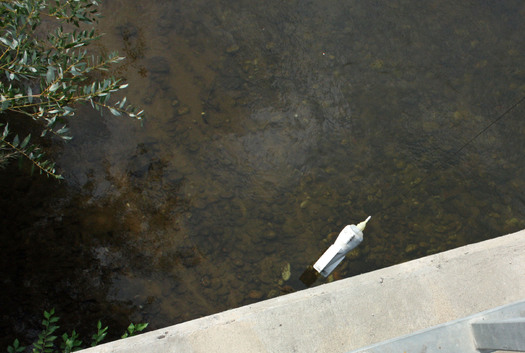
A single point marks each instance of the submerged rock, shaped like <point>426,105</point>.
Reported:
<point>232,49</point>
<point>255,294</point>
<point>286,272</point>
<point>410,248</point>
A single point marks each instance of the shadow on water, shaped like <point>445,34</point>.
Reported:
<point>271,126</point>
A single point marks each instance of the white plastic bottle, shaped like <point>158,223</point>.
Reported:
<point>350,237</point>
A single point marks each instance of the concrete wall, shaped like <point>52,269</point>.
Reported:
<point>358,311</point>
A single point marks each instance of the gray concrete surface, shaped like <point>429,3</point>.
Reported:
<point>486,331</point>
<point>358,311</point>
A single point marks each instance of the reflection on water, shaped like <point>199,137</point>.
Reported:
<point>271,126</point>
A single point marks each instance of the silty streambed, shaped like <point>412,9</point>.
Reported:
<point>270,127</point>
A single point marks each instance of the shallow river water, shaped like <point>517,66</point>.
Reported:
<point>270,126</point>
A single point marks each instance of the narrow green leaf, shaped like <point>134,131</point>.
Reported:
<point>122,103</point>
<point>6,131</point>
<point>50,75</point>
<point>114,111</point>
<point>5,41</point>
<point>25,142</point>
<point>62,130</point>
<point>54,87</point>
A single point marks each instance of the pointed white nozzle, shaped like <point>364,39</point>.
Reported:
<point>362,225</point>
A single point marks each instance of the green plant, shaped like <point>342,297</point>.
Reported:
<point>46,341</point>
<point>134,329</point>
<point>43,77</point>
<point>46,338</point>
<point>100,335</point>
<point>16,347</point>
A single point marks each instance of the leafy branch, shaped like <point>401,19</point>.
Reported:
<point>46,341</point>
<point>44,79</point>
<point>32,152</point>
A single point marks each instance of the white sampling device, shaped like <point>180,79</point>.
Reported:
<point>350,237</point>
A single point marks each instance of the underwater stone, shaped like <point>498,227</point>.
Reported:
<point>272,293</point>
<point>232,49</point>
<point>286,272</point>
<point>255,294</point>
<point>183,110</point>
<point>410,248</point>
<point>270,235</point>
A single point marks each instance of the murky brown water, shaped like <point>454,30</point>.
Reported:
<point>271,125</point>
